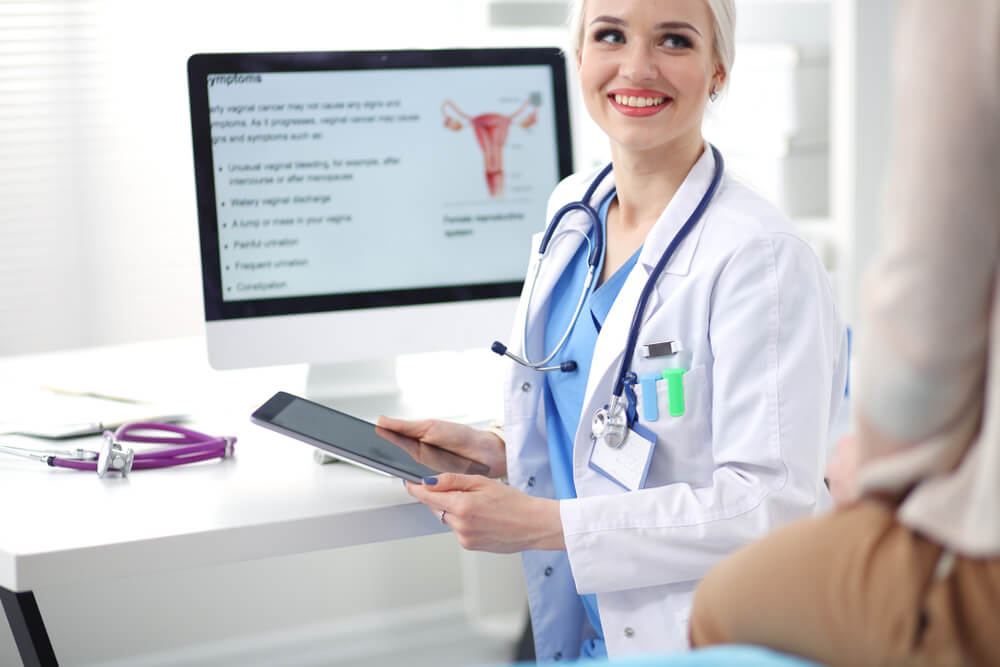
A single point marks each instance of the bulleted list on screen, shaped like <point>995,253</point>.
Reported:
<point>321,192</point>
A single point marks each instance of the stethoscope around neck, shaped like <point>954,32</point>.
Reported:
<point>610,423</point>
<point>187,446</point>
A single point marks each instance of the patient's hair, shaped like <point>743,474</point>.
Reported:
<point>723,13</point>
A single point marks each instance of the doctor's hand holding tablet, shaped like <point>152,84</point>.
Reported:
<point>495,517</point>
<point>673,369</point>
<point>478,445</point>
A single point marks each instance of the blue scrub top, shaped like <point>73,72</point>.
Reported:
<point>564,392</point>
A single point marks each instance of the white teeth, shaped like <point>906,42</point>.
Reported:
<point>639,102</point>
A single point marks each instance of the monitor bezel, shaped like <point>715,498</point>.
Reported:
<point>202,65</point>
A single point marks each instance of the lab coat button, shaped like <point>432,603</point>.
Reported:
<point>629,633</point>
<point>526,386</point>
<point>531,481</point>
<point>548,572</point>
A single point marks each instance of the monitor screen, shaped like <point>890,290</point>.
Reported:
<point>372,185</point>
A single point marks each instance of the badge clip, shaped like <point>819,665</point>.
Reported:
<point>662,349</point>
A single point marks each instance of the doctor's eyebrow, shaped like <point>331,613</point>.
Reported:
<point>666,25</point>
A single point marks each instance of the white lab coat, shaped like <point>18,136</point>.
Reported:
<point>752,304</point>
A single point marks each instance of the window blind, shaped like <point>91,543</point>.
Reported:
<point>48,53</point>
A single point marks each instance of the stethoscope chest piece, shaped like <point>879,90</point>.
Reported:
<point>114,457</point>
<point>609,426</point>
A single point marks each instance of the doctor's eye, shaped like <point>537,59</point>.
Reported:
<point>609,36</point>
<point>676,41</point>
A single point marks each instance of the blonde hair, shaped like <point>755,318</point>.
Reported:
<point>723,16</point>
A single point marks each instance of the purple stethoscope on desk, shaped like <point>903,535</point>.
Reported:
<point>188,446</point>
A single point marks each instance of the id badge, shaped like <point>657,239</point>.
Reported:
<point>627,465</point>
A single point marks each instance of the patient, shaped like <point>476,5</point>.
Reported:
<point>907,569</point>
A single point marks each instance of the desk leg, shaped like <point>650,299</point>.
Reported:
<point>29,631</point>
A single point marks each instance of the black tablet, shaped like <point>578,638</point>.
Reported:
<point>358,441</point>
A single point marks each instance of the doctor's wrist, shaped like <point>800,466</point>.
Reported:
<point>548,527</point>
<point>498,467</point>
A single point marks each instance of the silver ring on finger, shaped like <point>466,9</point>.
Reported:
<point>441,516</point>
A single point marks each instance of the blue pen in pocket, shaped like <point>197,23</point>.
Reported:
<point>650,411</point>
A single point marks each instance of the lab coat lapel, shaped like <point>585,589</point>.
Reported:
<point>611,342</point>
<point>677,212</point>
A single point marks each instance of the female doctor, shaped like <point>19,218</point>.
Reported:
<point>614,538</point>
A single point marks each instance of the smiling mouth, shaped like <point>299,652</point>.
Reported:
<point>639,102</point>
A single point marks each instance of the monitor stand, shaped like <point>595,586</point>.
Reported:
<point>461,386</point>
<point>364,389</point>
<point>454,386</point>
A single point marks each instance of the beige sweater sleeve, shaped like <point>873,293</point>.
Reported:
<point>923,350</point>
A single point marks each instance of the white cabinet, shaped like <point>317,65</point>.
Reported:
<point>844,52</point>
<point>772,124</point>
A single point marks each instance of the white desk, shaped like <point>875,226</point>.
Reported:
<point>59,526</point>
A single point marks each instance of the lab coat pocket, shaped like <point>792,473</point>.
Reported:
<point>683,451</point>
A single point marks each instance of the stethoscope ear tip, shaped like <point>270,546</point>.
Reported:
<point>499,348</point>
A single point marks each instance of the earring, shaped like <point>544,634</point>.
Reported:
<point>714,95</point>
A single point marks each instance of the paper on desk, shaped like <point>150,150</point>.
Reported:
<point>56,413</point>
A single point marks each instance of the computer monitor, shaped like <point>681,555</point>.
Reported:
<point>356,206</point>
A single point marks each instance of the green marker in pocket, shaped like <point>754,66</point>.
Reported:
<point>675,390</point>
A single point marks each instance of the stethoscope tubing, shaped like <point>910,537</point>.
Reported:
<point>647,290</point>
<point>583,205</point>
<point>541,365</point>
<point>187,446</point>
<point>149,460</point>
<point>594,259</point>
<point>187,436</point>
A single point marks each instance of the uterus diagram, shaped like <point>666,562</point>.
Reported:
<point>491,131</point>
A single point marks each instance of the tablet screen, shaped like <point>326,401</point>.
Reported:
<point>360,441</point>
